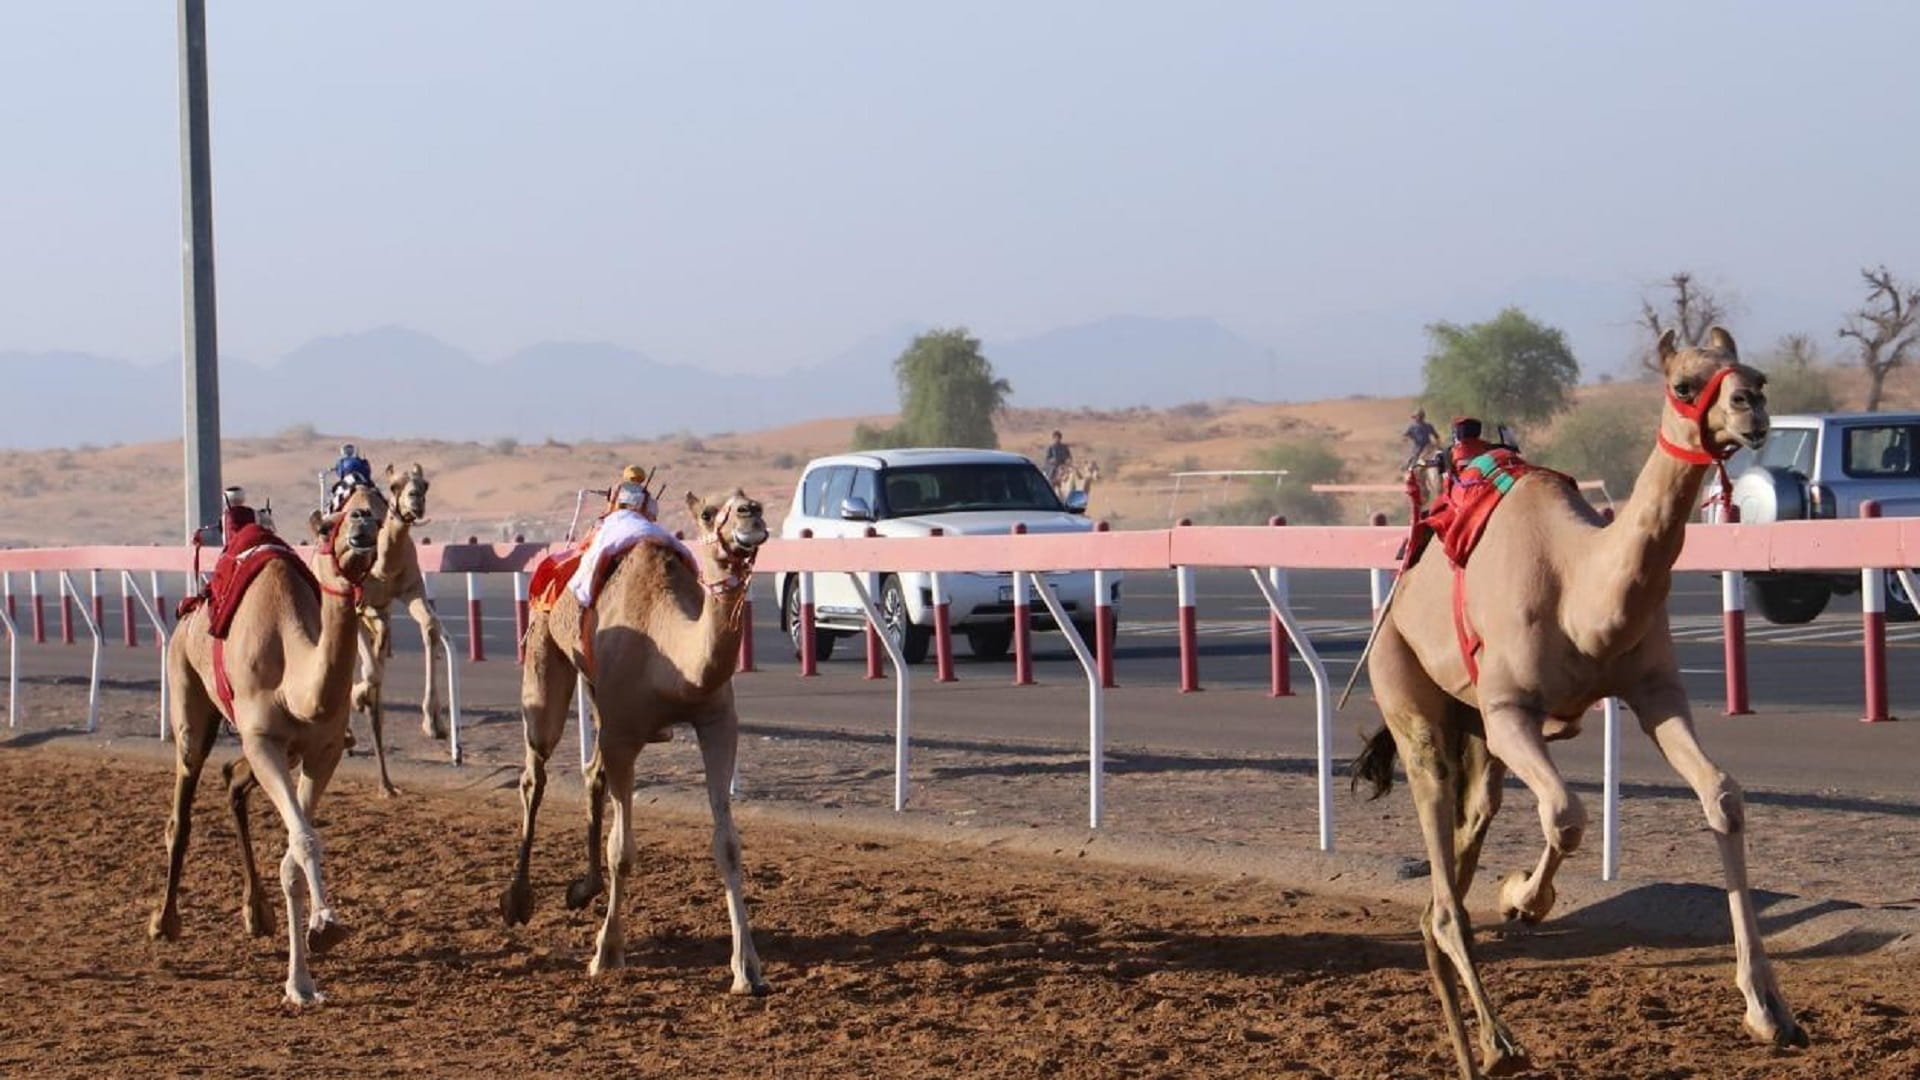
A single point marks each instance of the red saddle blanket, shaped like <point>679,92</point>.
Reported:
<point>247,552</point>
<point>1459,517</point>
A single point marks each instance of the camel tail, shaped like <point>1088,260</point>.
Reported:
<point>1374,765</point>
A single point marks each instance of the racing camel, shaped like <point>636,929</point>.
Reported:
<point>280,669</point>
<point>1476,671</point>
<point>664,640</point>
<point>396,577</point>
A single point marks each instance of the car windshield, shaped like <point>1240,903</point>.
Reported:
<point>935,489</point>
<point>1790,449</point>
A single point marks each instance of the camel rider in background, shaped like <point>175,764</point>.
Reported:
<point>349,472</point>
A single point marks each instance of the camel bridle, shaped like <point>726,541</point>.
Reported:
<point>354,591</point>
<point>1695,411</point>
<point>736,567</point>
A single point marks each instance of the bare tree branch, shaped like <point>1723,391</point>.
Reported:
<point>1886,329</point>
<point>1695,309</point>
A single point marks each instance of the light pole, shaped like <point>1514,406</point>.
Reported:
<point>200,358</point>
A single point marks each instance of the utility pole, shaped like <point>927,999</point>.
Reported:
<point>200,358</point>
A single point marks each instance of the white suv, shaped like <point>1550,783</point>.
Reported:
<point>911,493</point>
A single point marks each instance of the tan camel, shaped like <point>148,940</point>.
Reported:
<point>289,656</point>
<point>663,653</point>
<point>1570,613</point>
<point>396,576</point>
<point>1078,476</point>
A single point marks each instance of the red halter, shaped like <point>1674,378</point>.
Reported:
<point>1707,453</point>
<point>354,592</point>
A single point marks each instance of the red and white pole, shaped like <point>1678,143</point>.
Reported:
<point>6,589</point>
<point>809,662</point>
<point>1873,618</point>
<point>874,668</point>
<point>1104,622</point>
<point>1189,626</point>
<point>942,623</point>
<point>1733,615</point>
<point>96,601</point>
<point>66,617</point>
<point>39,608</point>
<point>129,630</point>
<point>476,647</point>
<point>1278,644</point>
<point>1022,631</point>
<point>522,614</point>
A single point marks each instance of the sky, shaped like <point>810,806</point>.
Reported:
<point>754,186</point>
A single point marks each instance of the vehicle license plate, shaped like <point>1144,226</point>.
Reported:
<point>1006,594</point>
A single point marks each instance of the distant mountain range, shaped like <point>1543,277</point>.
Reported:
<point>396,381</point>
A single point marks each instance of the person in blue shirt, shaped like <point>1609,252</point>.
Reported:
<point>349,472</point>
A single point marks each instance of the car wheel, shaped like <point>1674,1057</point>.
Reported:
<point>790,607</point>
<point>1789,601</point>
<point>990,642</point>
<point>897,623</point>
<point>1899,607</point>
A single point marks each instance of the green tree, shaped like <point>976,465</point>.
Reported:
<point>1509,370</point>
<point>948,395</point>
<point>1797,381</point>
<point>1606,441</point>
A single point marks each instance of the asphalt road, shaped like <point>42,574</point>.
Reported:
<point>1811,668</point>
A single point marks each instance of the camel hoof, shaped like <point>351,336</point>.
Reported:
<point>298,996</point>
<point>606,960</point>
<point>349,742</point>
<point>516,903</point>
<point>325,936</point>
<point>363,698</point>
<point>1776,1025</point>
<point>754,987</point>
<point>582,891</point>
<point>1515,904</point>
<point>1506,1064</point>
<point>434,725</point>
<point>387,790</point>
<point>256,918</point>
<point>165,924</point>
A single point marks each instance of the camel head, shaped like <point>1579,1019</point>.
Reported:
<point>349,537</point>
<point>1715,404</point>
<point>409,491</point>
<point>735,525</point>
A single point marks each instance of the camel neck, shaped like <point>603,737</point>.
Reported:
<point>1629,583</point>
<point>327,677</point>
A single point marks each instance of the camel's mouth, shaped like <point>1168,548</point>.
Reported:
<point>1749,440</point>
<point>749,538</point>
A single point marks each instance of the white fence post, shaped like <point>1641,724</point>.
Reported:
<point>1610,792</point>
<point>69,589</point>
<point>1322,704</point>
<point>1096,702</point>
<point>13,662</point>
<point>902,701</point>
<point>130,586</point>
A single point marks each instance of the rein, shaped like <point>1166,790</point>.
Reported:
<point>1706,454</point>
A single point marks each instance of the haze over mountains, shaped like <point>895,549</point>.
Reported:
<point>395,381</point>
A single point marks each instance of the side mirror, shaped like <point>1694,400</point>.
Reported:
<point>1076,502</point>
<point>856,509</point>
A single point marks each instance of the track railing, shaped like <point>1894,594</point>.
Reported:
<point>1878,546</point>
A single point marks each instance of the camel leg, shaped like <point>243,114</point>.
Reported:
<point>1417,712</point>
<point>373,643</point>
<point>589,885</point>
<point>546,689</point>
<point>195,726</point>
<point>1513,735</point>
<point>433,707</point>
<point>255,915</point>
<point>1481,779</point>
<point>271,771</point>
<point>1665,715</point>
<point>610,951</point>
<point>316,771</point>
<point>719,740</point>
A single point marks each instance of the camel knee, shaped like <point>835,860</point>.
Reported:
<point>1726,806</point>
<point>303,846</point>
<point>1564,821</point>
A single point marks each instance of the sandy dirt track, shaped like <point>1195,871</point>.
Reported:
<point>889,956</point>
